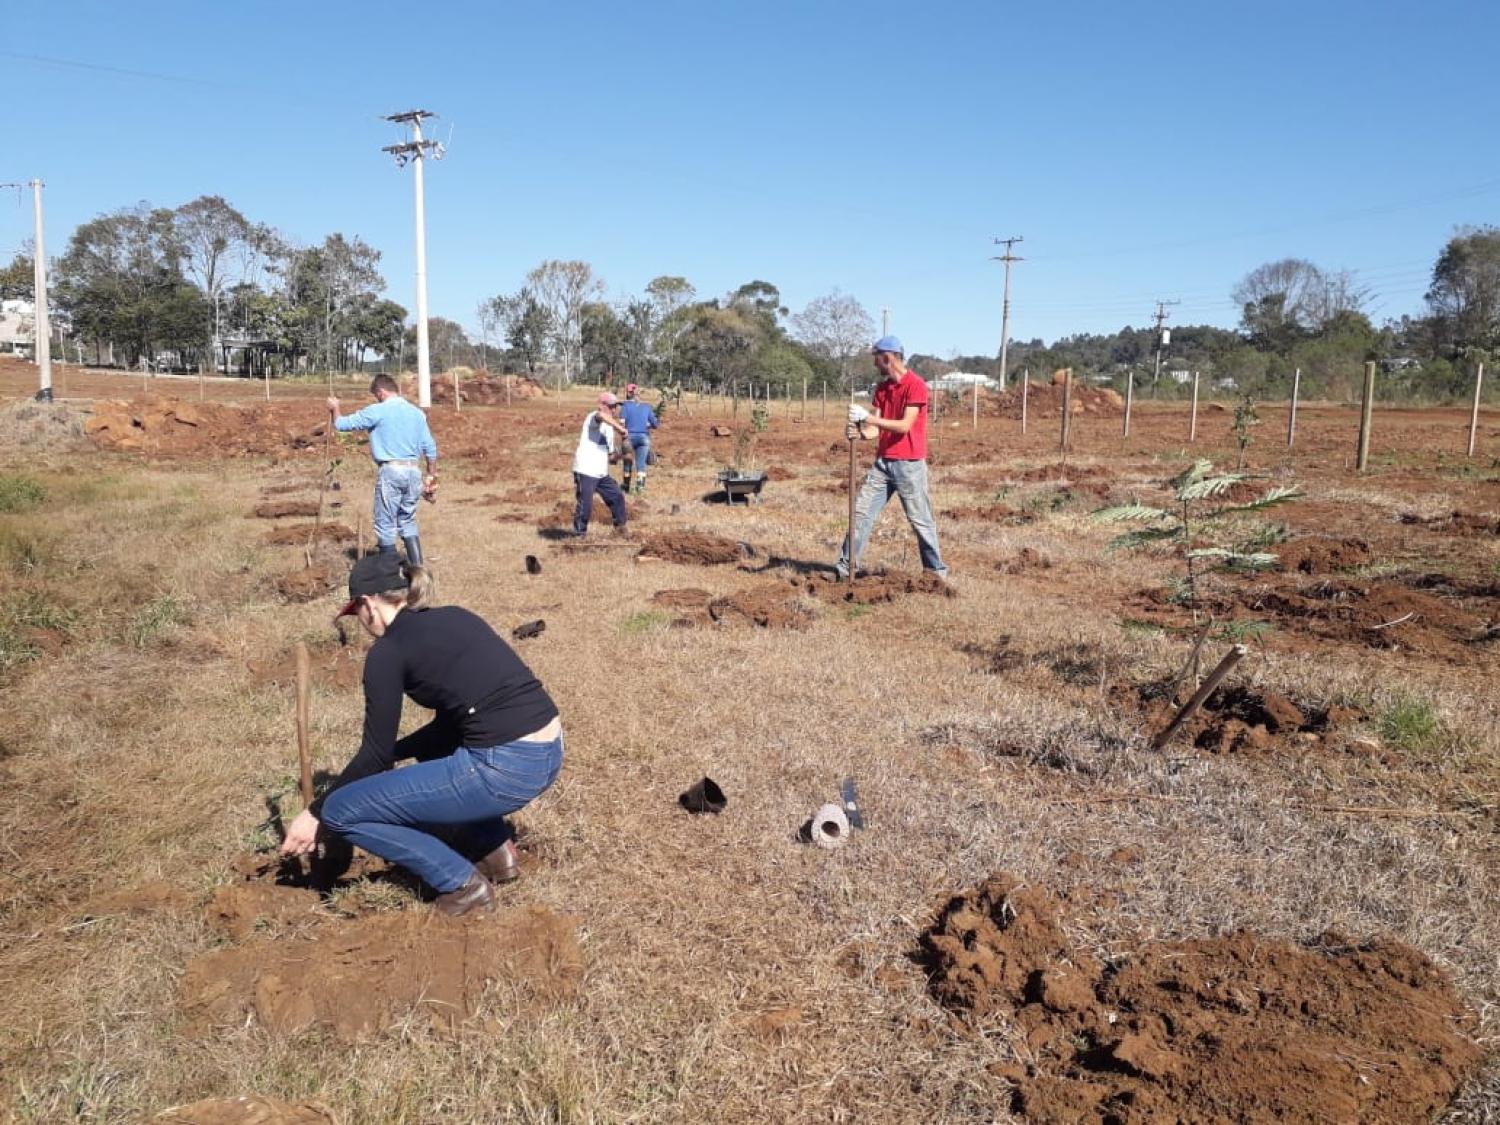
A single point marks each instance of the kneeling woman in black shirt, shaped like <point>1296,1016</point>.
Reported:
<point>494,744</point>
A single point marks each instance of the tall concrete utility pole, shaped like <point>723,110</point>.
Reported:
<point>1163,338</point>
<point>414,151</point>
<point>1007,258</point>
<point>42,346</point>
<point>885,322</point>
<point>43,321</point>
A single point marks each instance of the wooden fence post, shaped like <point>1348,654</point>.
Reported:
<point>1129,400</point>
<point>1025,387</point>
<point>1474,413</point>
<point>1291,418</point>
<point>1193,417</point>
<point>804,400</point>
<point>1067,408</point>
<point>976,404</point>
<point>1366,406</point>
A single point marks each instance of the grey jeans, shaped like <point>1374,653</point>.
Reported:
<point>908,480</point>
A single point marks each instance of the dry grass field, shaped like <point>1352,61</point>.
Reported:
<point>1288,913</point>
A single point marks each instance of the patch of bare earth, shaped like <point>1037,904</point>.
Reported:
<point>1239,1027</point>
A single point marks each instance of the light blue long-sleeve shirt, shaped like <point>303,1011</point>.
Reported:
<point>398,430</point>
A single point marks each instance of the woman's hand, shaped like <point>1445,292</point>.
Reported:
<point>301,834</point>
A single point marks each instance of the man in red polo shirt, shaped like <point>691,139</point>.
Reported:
<point>900,469</point>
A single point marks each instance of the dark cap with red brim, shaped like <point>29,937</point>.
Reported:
<point>380,573</point>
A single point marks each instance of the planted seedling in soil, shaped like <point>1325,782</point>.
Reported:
<point>1192,524</point>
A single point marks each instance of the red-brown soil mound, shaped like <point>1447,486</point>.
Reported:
<point>768,606</point>
<point>1234,1028</point>
<point>1322,555</point>
<point>485,389</point>
<point>297,534</point>
<point>1242,720</point>
<point>332,665</point>
<point>309,583</point>
<point>990,513</point>
<point>1044,400</point>
<point>869,589</point>
<point>277,509</point>
<point>1457,523</point>
<point>688,598</point>
<point>694,548</point>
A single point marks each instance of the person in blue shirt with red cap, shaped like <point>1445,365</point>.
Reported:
<point>898,418</point>
<point>639,421</point>
<point>399,436</point>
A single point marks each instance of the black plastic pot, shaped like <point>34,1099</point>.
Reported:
<point>738,485</point>
<point>704,797</point>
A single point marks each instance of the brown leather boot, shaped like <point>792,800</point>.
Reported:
<point>502,865</point>
<point>474,895</point>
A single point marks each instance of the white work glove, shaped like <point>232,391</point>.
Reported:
<point>857,415</point>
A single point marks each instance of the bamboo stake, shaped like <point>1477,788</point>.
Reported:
<point>1291,418</point>
<point>304,751</point>
<point>1366,407</point>
<point>1474,413</point>
<point>1193,419</point>
<point>1231,658</point>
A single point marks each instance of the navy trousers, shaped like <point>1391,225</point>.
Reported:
<point>585,487</point>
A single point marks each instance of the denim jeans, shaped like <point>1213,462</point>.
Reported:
<point>640,445</point>
<point>408,815</point>
<point>908,480</point>
<point>584,488</point>
<point>398,489</point>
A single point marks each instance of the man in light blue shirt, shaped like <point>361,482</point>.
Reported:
<point>639,421</point>
<point>399,437</point>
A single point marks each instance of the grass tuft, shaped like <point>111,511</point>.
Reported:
<point>20,493</point>
<point>1410,724</point>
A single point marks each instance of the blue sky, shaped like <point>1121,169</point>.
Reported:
<point>1145,151</point>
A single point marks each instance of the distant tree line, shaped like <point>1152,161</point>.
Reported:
<point>1296,315</point>
<point>203,285</point>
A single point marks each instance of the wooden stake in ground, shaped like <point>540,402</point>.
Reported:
<point>1291,418</point>
<point>1025,386</point>
<point>825,400</point>
<point>1366,406</point>
<point>976,404</point>
<point>1231,658</point>
<point>458,399</point>
<point>304,749</point>
<point>1129,401</point>
<point>1067,409</point>
<point>268,381</point>
<point>804,400</point>
<point>852,560</point>
<point>1193,417</point>
<point>1474,413</point>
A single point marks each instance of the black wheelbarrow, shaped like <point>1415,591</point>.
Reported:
<point>738,485</point>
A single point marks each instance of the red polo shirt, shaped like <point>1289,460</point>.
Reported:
<point>890,401</point>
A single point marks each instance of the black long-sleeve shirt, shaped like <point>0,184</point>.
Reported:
<point>449,660</point>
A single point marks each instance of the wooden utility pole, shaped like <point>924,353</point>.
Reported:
<point>1193,417</point>
<point>1474,413</point>
<point>1366,407</point>
<point>1067,408</point>
<point>1291,418</point>
<point>1007,258</point>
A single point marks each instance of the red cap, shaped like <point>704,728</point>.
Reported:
<point>607,399</point>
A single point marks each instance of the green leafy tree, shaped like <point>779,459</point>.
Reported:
<point>527,326</point>
<point>1464,296</point>
<point>17,280</point>
<point>668,296</point>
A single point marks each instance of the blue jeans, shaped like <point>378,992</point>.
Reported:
<point>908,480</point>
<point>403,814</point>
<point>398,489</point>
<point>640,445</point>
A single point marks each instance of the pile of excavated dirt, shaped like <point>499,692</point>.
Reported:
<point>159,425</point>
<point>1457,523</point>
<point>361,978</point>
<point>767,606</point>
<point>1233,1028</point>
<point>1317,554</point>
<point>1044,400</point>
<point>280,509</point>
<point>870,589</point>
<point>1380,615</point>
<point>247,1109</point>
<point>299,534</point>
<point>990,513</point>
<point>484,389</point>
<point>560,518</point>
<point>694,548</point>
<point>1241,720</point>
<point>309,583</point>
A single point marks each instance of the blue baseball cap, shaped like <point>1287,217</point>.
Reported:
<point>888,344</point>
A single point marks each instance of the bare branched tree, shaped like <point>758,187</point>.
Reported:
<point>836,326</point>
<point>563,288</point>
